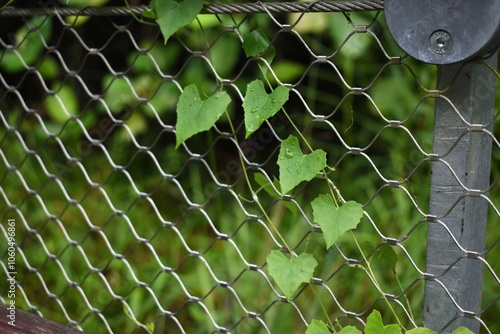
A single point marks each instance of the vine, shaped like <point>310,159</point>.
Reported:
<point>197,114</point>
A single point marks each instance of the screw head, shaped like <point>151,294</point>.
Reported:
<point>440,41</point>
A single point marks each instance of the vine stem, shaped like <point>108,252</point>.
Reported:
<point>309,147</point>
<point>140,20</point>
<point>331,187</point>
<point>301,135</point>
<point>377,285</point>
<point>275,229</point>
<point>493,69</point>
<point>332,192</point>
<point>253,193</point>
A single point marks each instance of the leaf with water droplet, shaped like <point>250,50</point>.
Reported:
<point>335,221</point>
<point>195,115</point>
<point>259,106</point>
<point>293,169</point>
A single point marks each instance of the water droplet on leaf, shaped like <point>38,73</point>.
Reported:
<point>288,153</point>
<point>254,110</point>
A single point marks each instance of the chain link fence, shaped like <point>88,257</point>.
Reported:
<point>115,229</point>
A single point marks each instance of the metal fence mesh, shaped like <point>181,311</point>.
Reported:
<point>116,228</point>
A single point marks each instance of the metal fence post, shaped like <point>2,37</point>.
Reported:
<point>460,176</point>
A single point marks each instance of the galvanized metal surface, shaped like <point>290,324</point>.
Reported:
<point>459,196</point>
<point>467,29</point>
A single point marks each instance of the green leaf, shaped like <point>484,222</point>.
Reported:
<point>259,105</point>
<point>289,274</point>
<point>150,327</point>
<point>137,124</point>
<point>28,43</point>
<point>255,43</point>
<point>350,330</point>
<point>317,327</point>
<point>335,221</point>
<point>462,330</point>
<point>264,183</point>
<point>195,115</point>
<point>149,14</point>
<point>296,167</point>
<point>420,330</point>
<point>172,14</point>
<point>60,108</point>
<point>49,69</point>
<point>374,325</point>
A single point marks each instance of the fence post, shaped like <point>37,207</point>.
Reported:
<point>457,221</point>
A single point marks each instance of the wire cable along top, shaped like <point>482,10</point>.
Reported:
<point>231,8</point>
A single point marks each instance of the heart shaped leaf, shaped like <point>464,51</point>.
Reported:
<point>195,115</point>
<point>172,15</point>
<point>289,274</point>
<point>335,221</point>
<point>374,325</point>
<point>296,167</point>
<point>259,105</point>
<point>317,327</point>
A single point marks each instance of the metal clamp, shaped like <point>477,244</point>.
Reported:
<point>444,31</point>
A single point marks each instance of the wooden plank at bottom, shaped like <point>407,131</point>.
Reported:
<point>27,323</point>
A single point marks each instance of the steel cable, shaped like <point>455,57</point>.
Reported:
<point>233,8</point>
